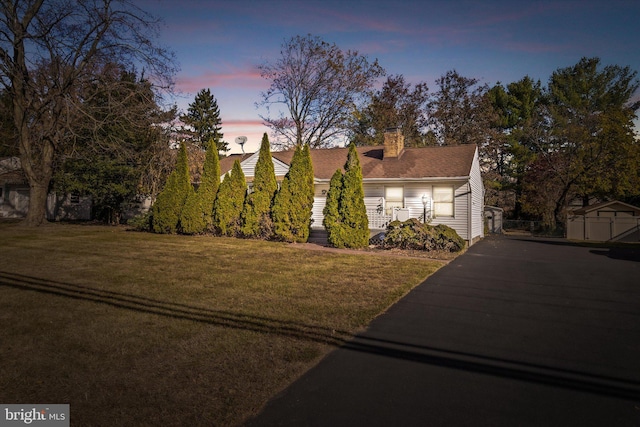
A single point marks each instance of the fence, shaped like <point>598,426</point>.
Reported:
<point>377,220</point>
<point>523,225</point>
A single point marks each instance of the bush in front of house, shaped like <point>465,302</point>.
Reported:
<point>197,212</point>
<point>345,214</point>
<point>192,219</point>
<point>256,214</point>
<point>142,222</point>
<point>293,203</point>
<point>412,234</point>
<point>167,209</point>
<point>227,208</point>
<point>209,183</point>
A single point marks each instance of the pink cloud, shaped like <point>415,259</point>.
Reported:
<point>247,78</point>
<point>243,122</point>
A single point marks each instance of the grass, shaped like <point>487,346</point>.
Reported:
<point>142,329</point>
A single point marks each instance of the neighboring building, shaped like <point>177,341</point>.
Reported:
<point>607,221</point>
<point>493,216</point>
<point>14,196</point>
<point>399,183</point>
<point>14,189</point>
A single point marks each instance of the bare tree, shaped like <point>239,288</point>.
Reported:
<point>460,111</point>
<point>396,105</point>
<point>48,51</point>
<point>319,85</point>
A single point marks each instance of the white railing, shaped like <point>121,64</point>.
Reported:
<point>377,220</point>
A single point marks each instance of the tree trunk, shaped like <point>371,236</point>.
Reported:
<point>36,215</point>
<point>39,169</point>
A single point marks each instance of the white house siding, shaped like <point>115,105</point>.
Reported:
<point>413,192</point>
<point>249,166</point>
<point>477,199</point>
<point>316,213</point>
<point>14,201</point>
<point>459,221</point>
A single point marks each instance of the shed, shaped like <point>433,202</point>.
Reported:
<point>493,219</point>
<point>608,221</point>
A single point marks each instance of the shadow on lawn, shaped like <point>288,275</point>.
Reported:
<point>176,310</point>
<point>560,377</point>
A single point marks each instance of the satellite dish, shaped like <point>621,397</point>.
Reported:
<point>241,141</point>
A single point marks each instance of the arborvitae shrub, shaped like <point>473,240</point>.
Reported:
<point>292,207</point>
<point>229,202</point>
<point>192,220</point>
<point>345,214</point>
<point>353,212</point>
<point>332,221</point>
<point>209,182</point>
<point>167,209</point>
<point>256,215</point>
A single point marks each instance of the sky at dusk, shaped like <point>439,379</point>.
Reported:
<point>219,44</point>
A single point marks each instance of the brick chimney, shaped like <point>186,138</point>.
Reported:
<point>393,143</point>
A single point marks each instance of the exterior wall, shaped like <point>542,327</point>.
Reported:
<point>477,199</point>
<point>603,228</point>
<point>14,202</point>
<point>413,192</point>
<point>460,219</point>
<point>493,217</point>
<point>63,208</point>
<point>249,166</point>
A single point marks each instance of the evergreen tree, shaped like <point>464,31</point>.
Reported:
<point>345,212</point>
<point>182,170</point>
<point>293,204</point>
<point>353,212</point>
<point>209,182</point>
<point>229,202</point>
<point>203,115</point>
<point>256,216</point>
<point>332,222</point>
<point>166,214</point>
<point>192,220</point>
<point>197,214</point>
<point>167,210</point>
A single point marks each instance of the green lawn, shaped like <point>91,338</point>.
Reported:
<point>141,329</point>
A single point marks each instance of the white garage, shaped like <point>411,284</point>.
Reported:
<point>608,221</point>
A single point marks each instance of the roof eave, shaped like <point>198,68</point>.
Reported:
<point>423,179</point>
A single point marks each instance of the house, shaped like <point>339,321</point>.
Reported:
<point>441,183</point>
<point>14,189</point>
<point>606,221</point>
<point>14,196</point>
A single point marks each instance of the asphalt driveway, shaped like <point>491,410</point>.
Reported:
<point>516,332</point>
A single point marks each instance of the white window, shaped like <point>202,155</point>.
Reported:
<point>394,198</point>
<point>443,201</point>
